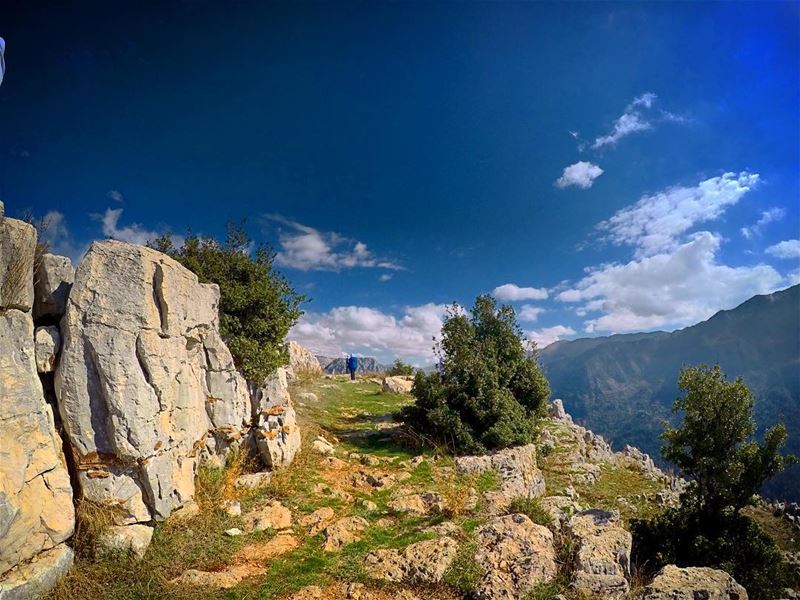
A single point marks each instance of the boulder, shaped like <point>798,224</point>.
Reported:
<point>126,538</point>
<point>144,381</point>
<point>690,583</point>
<point>514,555</point>
<point>603,550</point>
<point>36,510</point>
<point>422,562</point>
<point>302,362</point>
<point>277,434</point>
<point>52,283</point>
<point>344,531</point>
<point>322,446</point>
<point>272,515</point>
<point>317,520</point>
<point>47,346</point>
<point>518,472</point>
<point>418,504</point>
<point>39,576</point>
<point>397,385</point>
<point>556,410</point>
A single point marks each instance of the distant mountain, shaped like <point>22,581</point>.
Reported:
<point>623,386</point>
<point>338,366</point>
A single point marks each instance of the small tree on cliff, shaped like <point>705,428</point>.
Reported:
<point>401,368</point>
<point>714,447</point>
<point>257,306</point>
<point>487,392</point>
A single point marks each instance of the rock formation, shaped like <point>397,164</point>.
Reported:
<point>674,583</point>
<point>36,511</point>
<point>397,385</point>
<point>53,281</point>
<point>603,553</point>
<point>302,362</point>
<point>144,380</point>
<point>277,434</point>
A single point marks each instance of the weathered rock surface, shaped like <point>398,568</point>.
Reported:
<point>518,473</point>
<point>302,362</point>
<point>602,562</point>
<point>144,380</point>
<point>514,554</point>
<point>126,538</point>
<point>36,511</point>
<point>423,562</point>
<point>691,583</point>
<point>344,531</point>
<point>272,515</point>
<point>37,577</point>
<point>52,283</point>
<point>277,434</point>
<point>397,385</point>
<point>47,342</point>
<point>317,520</point>
<point>418,504</point>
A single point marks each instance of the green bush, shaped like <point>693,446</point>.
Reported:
<point>714,448</point>
<point>401,368</point>
<point>257,305</point>
<point>487,393</point>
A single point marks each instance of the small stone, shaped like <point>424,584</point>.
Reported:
<point>368,505</point>
<point>322,446</point>
<point>253,480</point>
<point>233,532</point>
<point>232,508</point>
<point>273,515</point>
<point>126,538</point>
<point>370,461</point>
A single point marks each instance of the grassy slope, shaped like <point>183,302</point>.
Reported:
<point>357,415</point>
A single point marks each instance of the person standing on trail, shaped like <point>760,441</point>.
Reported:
<point>352,366</point>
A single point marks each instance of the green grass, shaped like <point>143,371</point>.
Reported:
<point>532,508</point>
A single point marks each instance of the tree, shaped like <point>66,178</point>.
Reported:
<point>714,444</point>
<point>714,447</point>
<point>401,368</point>
<point>257,306</point>
<point>487,392</point>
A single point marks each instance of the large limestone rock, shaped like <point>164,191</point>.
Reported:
<point>302,362</point>
<point>36,511</point>
<point>422,562</point>
<point>514,555</point>
<point>602,562</point>
<point>674,583</point>
<point>37,577</point>
<point>397,385</point>
<point>52,282</point>
<point>144,380</point>
<point>277,434</point>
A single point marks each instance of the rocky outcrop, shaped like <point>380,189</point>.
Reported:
<point>519,474</point>
<point>514,555</point>
<point>144,380</point>
<point>277,434</point>
<point>603,550</point>
<point>52,283</point>
<point>302,363</point>
<point>36,511</point>
<point>397,385</point>
<point>691,583</point>
<point>422,562</point>
<point>47,346</point>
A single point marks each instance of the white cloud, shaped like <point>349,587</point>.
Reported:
<point>647,99</point>
<point>548,335</point>
<point>385,277</point>
<point>668,289</point>
<point>582,174</point>
<point>56,234</point>
<point>625,125</point>
<point>768,216</point>
<point>133,234</point>
<point>371,331</point>
<point>786,249</point>
<point>116,196</point>
<point>655,223</point>
<point>308,249</point>
<point>514,293</point>
<point>529,313</point>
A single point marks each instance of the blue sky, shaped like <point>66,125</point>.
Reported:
<point>605,167</point>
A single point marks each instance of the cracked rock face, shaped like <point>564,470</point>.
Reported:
<point>277,435</point>
<point>603,553</point>
<point>52,283</point>
<point>302,361</point>
<point>691,583</point>
<point>36,511</point>
<point>144,381</point>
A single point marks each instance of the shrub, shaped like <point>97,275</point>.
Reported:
<point>401,368</point>
<point>531,507</point>
<point>257,305</point>
<point>487,393</point>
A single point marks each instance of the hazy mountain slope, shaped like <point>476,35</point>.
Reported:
<point>338,366</point>
<point>623,386</point>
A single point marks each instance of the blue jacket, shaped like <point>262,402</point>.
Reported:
<point>352,364</point>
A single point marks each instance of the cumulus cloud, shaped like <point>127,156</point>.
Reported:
<point>582,174</point>
<point>514,293</point>
<point>667,289</point>
<point>308,249</point>
<point>655,223</point>
<point>133,233</point>
<point>548,335</point>
<point>768,216</point>
<point>54,231</point>
<point>786,249</point>
<point>529,313</point>
<point>371,331</point>
<point>639,115</point>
